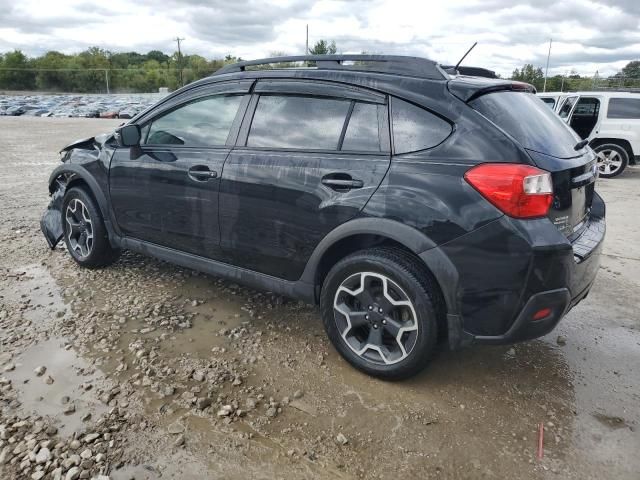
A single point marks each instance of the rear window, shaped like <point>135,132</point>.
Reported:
<point>529,121</point>
<point>624,108</point>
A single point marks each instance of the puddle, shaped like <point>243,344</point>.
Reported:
<point>37,294</point>
<point>70,374</point>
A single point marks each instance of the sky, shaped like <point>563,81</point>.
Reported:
<point>588,35</point>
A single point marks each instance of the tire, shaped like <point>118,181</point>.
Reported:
<point>612,159</point>
<point>355,328</point>
<point>81,216</point>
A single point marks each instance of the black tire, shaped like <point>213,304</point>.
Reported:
<point>401,270</point>
<point>619,156</point>
<point>97,252</point>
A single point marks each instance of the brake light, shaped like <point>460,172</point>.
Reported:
<point>520,191</point>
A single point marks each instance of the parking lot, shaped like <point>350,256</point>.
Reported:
<point>160,371</point>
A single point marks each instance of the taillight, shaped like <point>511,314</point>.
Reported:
<point>520,191</point>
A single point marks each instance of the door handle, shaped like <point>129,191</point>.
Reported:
<point>341,181</point>
<point>201,173</point>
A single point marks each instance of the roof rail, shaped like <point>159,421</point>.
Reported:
<point>397,64</point>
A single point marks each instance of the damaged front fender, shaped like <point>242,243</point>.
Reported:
<point>51,222</point>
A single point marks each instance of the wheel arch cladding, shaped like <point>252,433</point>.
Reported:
<point>367,232</point>
<point>68,176</point>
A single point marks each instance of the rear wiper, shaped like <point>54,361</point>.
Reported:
<point>581,145</point>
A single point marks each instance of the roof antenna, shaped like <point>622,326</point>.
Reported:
<point>465,56</point>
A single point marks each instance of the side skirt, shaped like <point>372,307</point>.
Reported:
<point>293,289</point>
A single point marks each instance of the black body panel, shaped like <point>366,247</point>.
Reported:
<point>155,197</point>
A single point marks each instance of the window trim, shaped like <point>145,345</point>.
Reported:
<point>230,87</point>
<point>243,134</point>
<point>233,129</point>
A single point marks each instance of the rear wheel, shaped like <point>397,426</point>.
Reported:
<point>379,311</point>
<point>612,159</point>
<point>84,232</point>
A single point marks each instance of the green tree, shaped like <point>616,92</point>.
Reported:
<point>632,69</point>
<point>529,74</point>
<point>323,47</point>
<point>13,72</point>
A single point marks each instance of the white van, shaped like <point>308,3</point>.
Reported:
<point>609,120</point>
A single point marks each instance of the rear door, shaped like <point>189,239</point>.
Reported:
<point>309,156</point>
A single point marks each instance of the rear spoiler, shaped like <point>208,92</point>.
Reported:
<point>470,88</point>
<point>470,71</point>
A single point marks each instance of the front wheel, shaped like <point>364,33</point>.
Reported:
<point>612,159</point>
<point>380,312</point>
<point>84,232</point>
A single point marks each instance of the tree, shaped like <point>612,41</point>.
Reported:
<point>158,56</point>
<point>632,69</point>
<point>529,74</point>
<point>322,47</point>
<point>13,73</point>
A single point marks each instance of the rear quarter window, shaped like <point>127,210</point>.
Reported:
<point>415,128</point>
<point>628,108</point>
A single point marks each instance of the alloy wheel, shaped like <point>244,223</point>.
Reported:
<point>609,161</point>
<point>80,231</point>
<point>375,318</point>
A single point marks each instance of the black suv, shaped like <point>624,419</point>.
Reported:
<point>411,203</point>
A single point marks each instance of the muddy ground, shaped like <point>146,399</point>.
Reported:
<point>157,371</point>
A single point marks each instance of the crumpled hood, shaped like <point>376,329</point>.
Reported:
<point>89,143</point>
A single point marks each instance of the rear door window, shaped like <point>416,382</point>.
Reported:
<point>199,123</point>
<point>415,128</point>
<point>288,121</point>
<point>628,108</point>
<point>366,129</point>
<point>529,121</point>
<point>549,101</point>
<point>565,110</point>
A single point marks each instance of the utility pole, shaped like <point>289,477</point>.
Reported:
<point>546,71</point>
<point>178,39</point>
<point>106,78</point>
<point>306,52</point>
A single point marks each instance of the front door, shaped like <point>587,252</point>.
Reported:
<point>166,190</point>
<point>305,163</point>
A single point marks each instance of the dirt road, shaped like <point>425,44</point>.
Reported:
<point>151,370</point>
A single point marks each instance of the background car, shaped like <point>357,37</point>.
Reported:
<point>609,121</point>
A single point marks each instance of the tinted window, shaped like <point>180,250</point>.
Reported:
<point>365,128</point>
<point>549,101</point>
<point>624,108</point>
<point>298,122</point>
<point>203,122</point>
<point>529,121</point>
<point>565,110</point>
<point>415,129</point>
<point>586,107</point>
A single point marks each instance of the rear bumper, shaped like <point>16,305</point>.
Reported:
<point>511,270</point>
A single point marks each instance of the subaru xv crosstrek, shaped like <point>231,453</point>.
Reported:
<point>411,203</point>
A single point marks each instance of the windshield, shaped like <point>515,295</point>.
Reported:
<point>527,119</point>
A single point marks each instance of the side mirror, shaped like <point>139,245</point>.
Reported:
<point>128,135</point>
